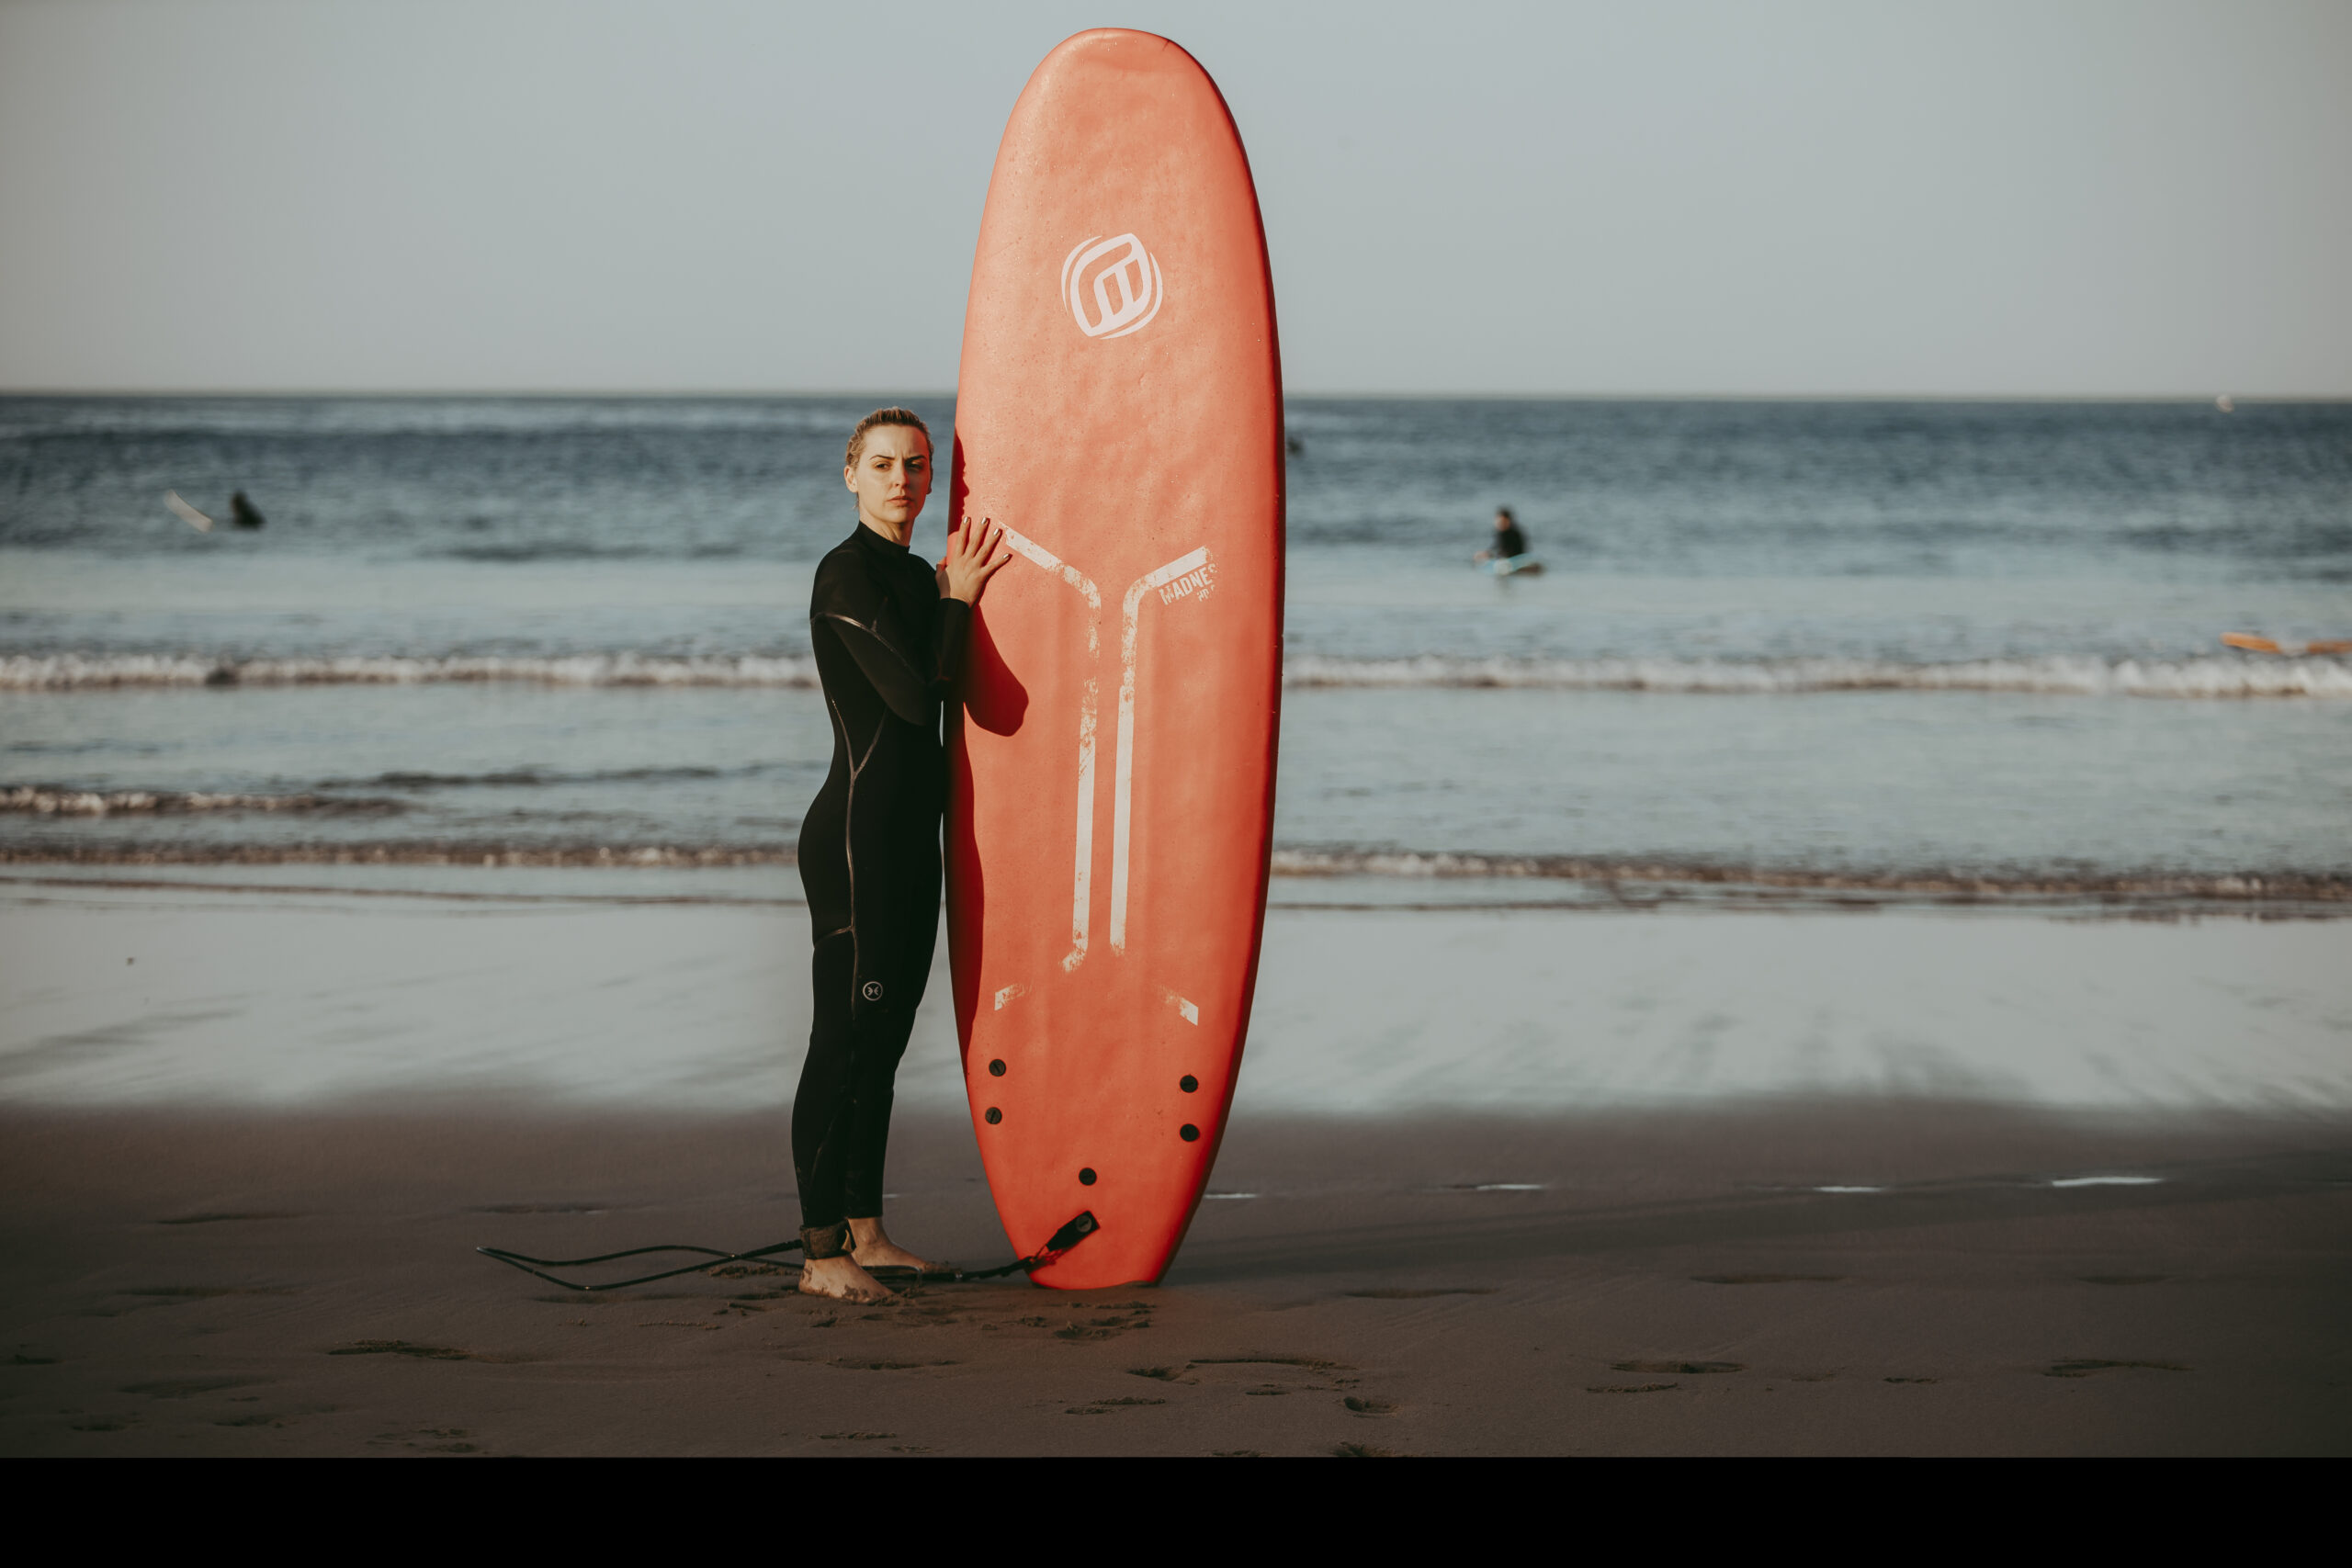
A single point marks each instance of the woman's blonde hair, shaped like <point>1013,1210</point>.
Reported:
<point>892,416</point>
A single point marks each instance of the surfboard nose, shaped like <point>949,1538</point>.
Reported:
<point>1118,49</point>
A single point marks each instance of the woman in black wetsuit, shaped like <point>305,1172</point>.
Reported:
<point>889,633</point>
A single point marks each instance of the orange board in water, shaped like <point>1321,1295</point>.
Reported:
<point>1119,412</point>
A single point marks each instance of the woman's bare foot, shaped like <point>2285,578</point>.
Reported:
<point>843,1280</point>
<point>876,1250</point>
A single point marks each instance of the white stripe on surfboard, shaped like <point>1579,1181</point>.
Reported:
<point>1122,776</point>
<point>1082,882</point>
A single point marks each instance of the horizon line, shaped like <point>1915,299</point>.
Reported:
<point>747,395</point>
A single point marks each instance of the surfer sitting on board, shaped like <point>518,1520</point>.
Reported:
<point>1510,543</point>
<point>888,634</point>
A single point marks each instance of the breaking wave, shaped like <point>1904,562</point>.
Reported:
<point>537,778</point>
<point>1944,883</point>
<point>36,800</point>
<point>1637,883</point>
<point>2057,675</point>
<point>423,852</point>
<point>75,671</point>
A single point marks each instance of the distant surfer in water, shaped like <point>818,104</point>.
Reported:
<point>889,633</point>
<point>1510,543</point>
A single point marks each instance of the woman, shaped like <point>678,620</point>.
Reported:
<point>888,635</point>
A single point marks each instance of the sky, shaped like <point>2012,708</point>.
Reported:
<point>1811,198</point>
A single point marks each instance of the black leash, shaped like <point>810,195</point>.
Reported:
<point>1070,1235</point>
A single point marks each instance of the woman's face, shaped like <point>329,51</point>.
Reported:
<point>892,476</point>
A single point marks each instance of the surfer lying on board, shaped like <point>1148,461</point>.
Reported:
<point>888,634</point>
<point>1509,541</point>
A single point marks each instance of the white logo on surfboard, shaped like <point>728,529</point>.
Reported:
<point>1113,287</point>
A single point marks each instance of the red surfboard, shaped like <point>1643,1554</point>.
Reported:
<point>1111,803</point>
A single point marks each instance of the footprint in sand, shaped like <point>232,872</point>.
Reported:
<point>401,1347</point>
<point>408,1439</point>
<point>2083,1368</point>
<point>180,1295</point>
<point>1693,1369</point>
<point>1104,1407</point>
<point>1369,1406</point>
<point>187,1388</point>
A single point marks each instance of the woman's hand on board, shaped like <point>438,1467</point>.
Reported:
<point>972,558</point>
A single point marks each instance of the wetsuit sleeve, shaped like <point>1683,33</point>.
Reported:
<point>951,633</point>
<point>907,677</point>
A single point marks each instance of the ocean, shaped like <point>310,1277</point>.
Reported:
<point>1781,652</point>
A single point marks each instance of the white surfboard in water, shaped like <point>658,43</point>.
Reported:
<point>187,514</point>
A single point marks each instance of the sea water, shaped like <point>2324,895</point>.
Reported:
<point>1813,645</point>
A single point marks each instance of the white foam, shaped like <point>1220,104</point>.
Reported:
<point>35,801</point>
<point>2107,1181</point>
<point>1449,865</point>
<point>2057,675</point>
<point>2053,676</point>
<point>70,670</point>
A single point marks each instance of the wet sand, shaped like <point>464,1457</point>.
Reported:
<point>302,1281</point>
<point>1497,1181</point>
<point>193,995</point>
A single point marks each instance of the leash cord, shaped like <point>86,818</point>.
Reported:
<point>1070,1235</point>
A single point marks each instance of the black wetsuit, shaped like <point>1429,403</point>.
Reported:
<point>888,651</point>
<point>1510,542</point>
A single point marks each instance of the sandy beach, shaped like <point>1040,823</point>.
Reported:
<point>304,1283</point>
<point>1776,1225</point>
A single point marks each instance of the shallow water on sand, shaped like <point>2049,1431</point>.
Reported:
<point>192,996</point>
<point>1842,785</point>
